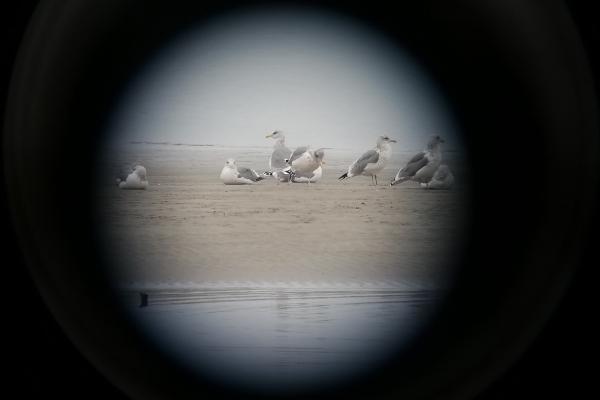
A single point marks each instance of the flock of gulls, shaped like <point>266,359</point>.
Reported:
<point>305,165</point>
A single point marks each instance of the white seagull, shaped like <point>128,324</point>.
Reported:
<point>279,157</point>
<point>423,165</point>
<point>231,174</point>
<point>137,179</point>
<point>373,161</point>
<point>442,179</point>
<point>304,161</point>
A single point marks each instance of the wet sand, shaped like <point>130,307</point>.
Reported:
<point>190,227</point>
<point>284,338</point>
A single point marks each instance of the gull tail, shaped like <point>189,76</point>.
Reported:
<point>343,176</point>
<point>397,181</point>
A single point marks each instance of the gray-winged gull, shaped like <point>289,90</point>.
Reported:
<point>373,161</point>
<point>137,179</point>
<point>422,165</point>
<point>304,160</point>
<point>231,174</point>
<point>442,179</point>
<point>279,157</point>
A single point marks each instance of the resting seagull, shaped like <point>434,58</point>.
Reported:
<point>423,165</point>
<point>137,179</point>
<point>304,161</point>
<point>373,161</point>
<point>279,157</point>
<point>308,177</point>
<point>231,174</point>
<point>442,179</point>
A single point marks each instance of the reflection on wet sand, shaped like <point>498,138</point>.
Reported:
<point>282,337</point>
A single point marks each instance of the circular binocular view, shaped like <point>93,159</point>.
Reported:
<point>283,196</point>
<point>290,201</point>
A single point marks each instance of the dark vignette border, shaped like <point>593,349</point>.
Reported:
<point>514,73</point>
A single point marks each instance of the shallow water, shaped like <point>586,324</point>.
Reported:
<point>286,337</point>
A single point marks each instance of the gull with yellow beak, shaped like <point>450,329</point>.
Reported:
<point>279,157</point>
<point>371,162</point>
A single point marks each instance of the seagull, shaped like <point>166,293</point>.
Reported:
<point>303,177</point>
<point>304,161</point>
<point>231,174</point>
<point>137,179</point>
<point>442,179</point>
<point>423,165</point>
<point>279,157</point>
<point>125,171</point>
<point>371,162</point>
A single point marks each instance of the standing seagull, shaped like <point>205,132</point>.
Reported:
<point>423,165</point>
<point>442,179</point>
<point>304,161</point>
<point>372,161</point>
<point>231,174</point>
<point>279,157</point>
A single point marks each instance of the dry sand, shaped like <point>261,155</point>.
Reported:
<point>190,227</point>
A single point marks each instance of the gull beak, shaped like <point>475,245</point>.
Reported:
<point>392,141</point>
<point>268,136</point>
<point>323,162</point>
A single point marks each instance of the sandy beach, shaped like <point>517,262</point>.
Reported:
<point>190,227</point>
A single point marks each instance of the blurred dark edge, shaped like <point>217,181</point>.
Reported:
<point>42,361</point>
<point>559,363</point>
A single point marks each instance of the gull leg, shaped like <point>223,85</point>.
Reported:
<point>375,179</point>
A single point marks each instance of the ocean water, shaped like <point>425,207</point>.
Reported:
<point>286,337</point>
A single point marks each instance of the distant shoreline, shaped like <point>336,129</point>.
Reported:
<point>261,147</point>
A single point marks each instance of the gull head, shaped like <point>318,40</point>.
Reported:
<point>230,163</point>
<point>434,141</point>
<point>319,155</point>
<point>275,135</point>
<point>384,139</point>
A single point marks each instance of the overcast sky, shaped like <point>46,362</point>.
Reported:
<point>323,80</point>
